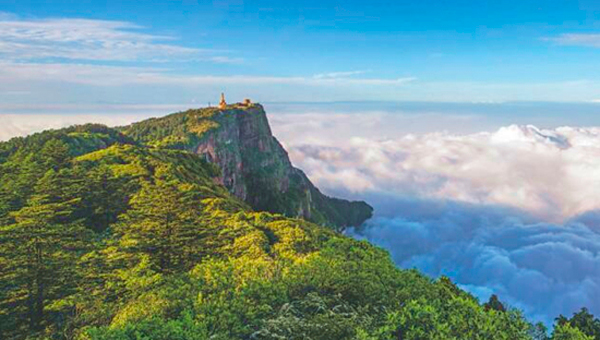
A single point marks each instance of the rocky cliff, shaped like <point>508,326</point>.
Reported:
<point>254,166</point>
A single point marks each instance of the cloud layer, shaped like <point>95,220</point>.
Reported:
<point>515,212</point>
<point>551,174</point>
<point>543,269</point>
<point>13,125</point>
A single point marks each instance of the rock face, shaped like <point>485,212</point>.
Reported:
<point>254,165</point>
<point>256,168</point>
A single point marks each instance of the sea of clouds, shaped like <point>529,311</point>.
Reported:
<point>514,211</point>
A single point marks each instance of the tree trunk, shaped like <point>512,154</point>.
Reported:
<point>38,308</point>
<point>31,305</point>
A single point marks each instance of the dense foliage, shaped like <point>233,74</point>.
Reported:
<point>176,131</point>
<point>101,238</point>
<point>582,324</point>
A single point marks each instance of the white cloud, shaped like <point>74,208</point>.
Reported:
<point>514,212</point>
<point>577,39</point>
<point>102,75</point>
<point>550,173</point>
<point>99,40</point>
<point>226,60</point>
<point>339,74</point>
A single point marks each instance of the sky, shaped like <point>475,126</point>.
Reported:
<point>85,54</point>
<point>472,127</point>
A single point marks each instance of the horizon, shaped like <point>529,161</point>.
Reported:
<point>405,117</point>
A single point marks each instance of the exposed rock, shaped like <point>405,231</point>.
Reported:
<point>254,165</point>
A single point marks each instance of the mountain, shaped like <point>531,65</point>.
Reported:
<point>110,234</point>
<point>254,166</point>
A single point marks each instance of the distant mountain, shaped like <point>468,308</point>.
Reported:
<point>254,166</point>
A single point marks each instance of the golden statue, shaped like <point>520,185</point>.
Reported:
<point>222,103</point>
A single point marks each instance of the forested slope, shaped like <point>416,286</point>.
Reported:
<point>105,238</point>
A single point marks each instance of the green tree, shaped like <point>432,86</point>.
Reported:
<point>314,317</point>
<point>584,321</point>
<point>104,198</point>
<point>43,246</point>
<point>495,304</point>
<point>567,332</point>
<point>55,154</point>
<point>164,224</point>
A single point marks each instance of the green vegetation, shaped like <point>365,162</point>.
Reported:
<point>582,325</point>
<point>176,131</point>
<point>102,238</point>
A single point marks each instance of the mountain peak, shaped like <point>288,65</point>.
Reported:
<point>254,166</point>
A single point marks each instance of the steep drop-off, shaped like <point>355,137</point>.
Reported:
<point>254,165</point>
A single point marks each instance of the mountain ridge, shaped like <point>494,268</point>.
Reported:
<point>255,167</point>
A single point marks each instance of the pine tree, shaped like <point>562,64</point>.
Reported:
<point>42,245</point>
<point>103,198</point>
<point>55,154</point>
<point>567,332</point>
<point>494,304</point>
<point>583,321</point>
<point>163,223</point>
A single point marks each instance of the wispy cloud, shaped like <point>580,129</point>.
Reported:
<point>7,16</point>
<point>61,50</point>
<point>97,40</point>
<point>577,39</point>
<point>339,74</point>
<point>36,76</point>
<point>226,60</point>
<point>14,93</point>
<point>102,75</point>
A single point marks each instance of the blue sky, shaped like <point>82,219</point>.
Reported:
<point>186,52</point>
